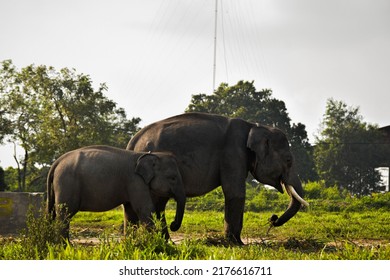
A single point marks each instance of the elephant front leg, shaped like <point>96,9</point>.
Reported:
<point>160,204</point>
<point>234,215</point>
<point>130,217</point>
<point>233,186</point>
<point>141,207</point>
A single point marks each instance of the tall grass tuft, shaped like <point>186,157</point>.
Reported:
<point>146,244</point>
<point>40,233</point>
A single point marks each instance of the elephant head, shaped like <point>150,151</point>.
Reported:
<point>161,173</point>
<point>273,165</point>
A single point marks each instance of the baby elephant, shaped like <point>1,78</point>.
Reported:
<point>100,178</point>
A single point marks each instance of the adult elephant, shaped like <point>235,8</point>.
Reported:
<point>99,178</point>
<point>214,151</point>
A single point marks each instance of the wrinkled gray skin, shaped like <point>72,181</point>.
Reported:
<point>100,178</point>
<point>217,151</point>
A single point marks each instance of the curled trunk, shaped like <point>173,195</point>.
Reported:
<point>180,199</point>
<point>175,225</point>
<point>296,201</point>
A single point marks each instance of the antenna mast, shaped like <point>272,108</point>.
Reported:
<point>215,43</point>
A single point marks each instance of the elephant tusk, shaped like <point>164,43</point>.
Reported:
<point>296,196</point>
<point>291,192</point>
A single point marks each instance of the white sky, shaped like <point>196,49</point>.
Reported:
<point>154,55</point>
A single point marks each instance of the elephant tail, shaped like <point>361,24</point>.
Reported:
<point>50,209</point>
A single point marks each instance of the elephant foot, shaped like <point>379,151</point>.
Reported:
<point>234,239</point>
<point>166,235</point>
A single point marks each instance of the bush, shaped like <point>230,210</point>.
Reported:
<point>146,244</point>
<point>331,193</point>
<point>213,200</point>
<point>41,232</point>
<point>260,198</point>
<point>318,190</point>
<point>313,190</point>
<point>375,201</point>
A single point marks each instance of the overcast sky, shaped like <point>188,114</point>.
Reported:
<point>153,55</point>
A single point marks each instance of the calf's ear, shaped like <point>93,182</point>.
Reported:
<point>145,167</point>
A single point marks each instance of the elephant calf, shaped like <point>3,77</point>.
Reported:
<point>100,178</point>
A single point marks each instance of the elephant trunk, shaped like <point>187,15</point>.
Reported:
<point>180,199</point>
<point>295,190</point>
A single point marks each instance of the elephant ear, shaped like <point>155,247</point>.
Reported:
<point>146,167</point>
<point>258,141</point>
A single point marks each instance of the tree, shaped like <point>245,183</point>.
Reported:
<point>244,101</point>
<point>3,185</point>
<point>11,178</point>
<point>348,150</point>
<point>303,153</point>
<point>50,112</point>
<point>5,126</point>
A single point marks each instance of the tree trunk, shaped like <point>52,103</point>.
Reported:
<point>25,162</point>
<point>19,171</point>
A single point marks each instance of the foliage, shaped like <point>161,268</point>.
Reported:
<point>3,185</point>
<point>50,112</point>
<point>314,190</point>
<point>303,153</point>
<point>213,200</point>
<point>40,235</point>
<point>5,124</point>
<point>35,181</point>
<point>318,190</point>
<point>375,201</point>
<point>11,178</point>
<point>244,101</point>
<point>348,150</point>
<point>260,198</point>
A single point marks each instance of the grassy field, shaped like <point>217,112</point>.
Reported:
<point>338,229</point>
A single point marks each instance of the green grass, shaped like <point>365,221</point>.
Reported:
<point>332,229</point>
<point>309,235</point>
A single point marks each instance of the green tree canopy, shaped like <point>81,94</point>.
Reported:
<point>244,101</point>
<point>49,112</point>
<point>348,150</point>
<point>3,185</point>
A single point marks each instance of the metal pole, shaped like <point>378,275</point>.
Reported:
<point>215,43</point>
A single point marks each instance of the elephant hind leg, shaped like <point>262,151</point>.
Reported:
<point>64,215</point>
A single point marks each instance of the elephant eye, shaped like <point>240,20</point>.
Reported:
<point>172,179</point>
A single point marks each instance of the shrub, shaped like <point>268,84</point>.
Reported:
<point>331,193</point>
<point>261,198</point>
<point>375,201</point>
<point>313,190</point>
<point>41,232</point>
<point>213,200</point>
